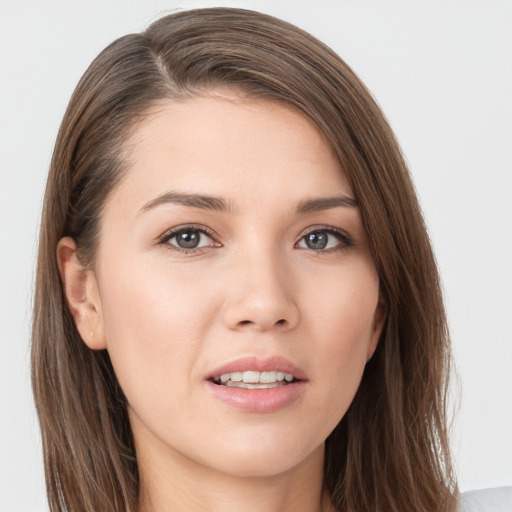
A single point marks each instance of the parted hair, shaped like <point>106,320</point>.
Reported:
<point>390,452</point>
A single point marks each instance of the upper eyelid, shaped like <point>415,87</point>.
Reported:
<point>346,241</point>
<point>332,229</point>
<point>171,232</point>
<point>164,239</point>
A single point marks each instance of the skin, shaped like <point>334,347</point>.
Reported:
<point>254,287</point>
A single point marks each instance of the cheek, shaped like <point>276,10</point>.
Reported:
<point>141,298</point>
<point>342,320</point>
<point>342,306</point>
<point>154,323</point>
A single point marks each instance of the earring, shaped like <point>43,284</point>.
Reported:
<point>90,330</point>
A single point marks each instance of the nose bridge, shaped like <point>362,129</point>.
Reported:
<point>263,297</point>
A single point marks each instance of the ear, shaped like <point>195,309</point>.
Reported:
<point>379,319</point>
<point>82,295</point>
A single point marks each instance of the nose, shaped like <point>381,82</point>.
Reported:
<point>263,297</point>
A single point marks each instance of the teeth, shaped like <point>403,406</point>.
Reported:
<point>235,377</point>
<point>246,385</point>
<point>267,377</point>
<point>252,377</point>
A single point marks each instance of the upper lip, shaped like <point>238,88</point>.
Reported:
<point>258,364</point>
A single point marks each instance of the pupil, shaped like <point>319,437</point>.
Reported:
<point>316,240</point>
<point>188,239</point>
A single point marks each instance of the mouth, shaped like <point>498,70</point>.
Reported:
<point>252,379</point>
<point>258,384</point>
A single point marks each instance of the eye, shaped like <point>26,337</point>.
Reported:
<point>187,239</point>
<point>325,239</point>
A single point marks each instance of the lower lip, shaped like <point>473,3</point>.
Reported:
<point>258,400</point>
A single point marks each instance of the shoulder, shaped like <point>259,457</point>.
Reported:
<point>498,499</point>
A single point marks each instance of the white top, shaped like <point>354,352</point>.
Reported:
<point>498,499</point>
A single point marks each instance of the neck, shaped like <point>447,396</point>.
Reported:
<point>179,484</point>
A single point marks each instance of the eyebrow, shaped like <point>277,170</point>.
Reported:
<point>204,202</point>
<point>326,203</point>
<point>218,204</point>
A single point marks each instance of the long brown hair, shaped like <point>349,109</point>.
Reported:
<point>390,451</point>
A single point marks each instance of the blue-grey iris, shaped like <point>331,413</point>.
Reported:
<point>317,240</point>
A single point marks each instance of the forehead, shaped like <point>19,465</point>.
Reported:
<point>229,145</point>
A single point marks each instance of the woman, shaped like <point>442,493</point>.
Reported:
<point>244,309</point>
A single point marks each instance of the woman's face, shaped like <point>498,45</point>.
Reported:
<point>233,250</point>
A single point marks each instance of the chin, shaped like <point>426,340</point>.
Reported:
<point>257,459</point>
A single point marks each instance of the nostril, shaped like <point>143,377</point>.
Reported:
<point>282,321</point>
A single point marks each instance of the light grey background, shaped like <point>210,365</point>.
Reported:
<point>441,70</point>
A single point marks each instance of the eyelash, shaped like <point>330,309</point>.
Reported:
<point>345,240</point>
<point>169,235</point>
